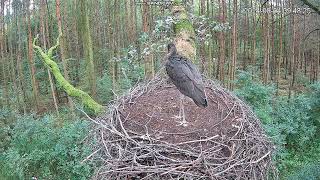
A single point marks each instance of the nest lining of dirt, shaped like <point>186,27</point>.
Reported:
<point>140,139</point>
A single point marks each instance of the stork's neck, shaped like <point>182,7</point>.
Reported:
<point>173,51</point>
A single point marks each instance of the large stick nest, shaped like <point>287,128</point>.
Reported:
<point>140,138</point>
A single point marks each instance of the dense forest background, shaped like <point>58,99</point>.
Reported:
<point>267,52</point>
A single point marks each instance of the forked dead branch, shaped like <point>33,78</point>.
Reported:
<point>139,139</point>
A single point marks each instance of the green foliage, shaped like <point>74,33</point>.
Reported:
<point>302,79</point>
<point>104,88</point>
<point>254,92</point>
<point>315,103</point>
<point>294,121</point>
<point>44,149</point>
<point>308,172</point>
<point>292,124</point>
<point>7,120</point>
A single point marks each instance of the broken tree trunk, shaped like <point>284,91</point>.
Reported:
<point>91,105</point>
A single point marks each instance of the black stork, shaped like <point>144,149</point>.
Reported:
<point>187,78</point>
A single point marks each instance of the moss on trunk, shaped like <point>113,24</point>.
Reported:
<point>184,32</point>
<point>90,104</point>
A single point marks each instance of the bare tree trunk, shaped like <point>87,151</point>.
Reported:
<point>2,53</point>
<point>318,61</point>
<point>293,52</point>
<point>280,59</point>
<point>31,62</point>
<point>62,51</point>
<point>265,75</point>
<point>254,28</point>
<point>232,68</point>
<point>115,37</point>
<point>202,52</point>
<point>271,49</point>
<point>77,39</point>
<point>21,79</point>
<point>12,65</point>
<point>245,40</point>
<point>44,41</point>
<point>146,29</point>
<point>222,18</point>
<point>132,21</point>
<point>87,47</point>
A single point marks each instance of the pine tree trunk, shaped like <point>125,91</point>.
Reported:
<point>293,54</point>
<point>12,69</point>
<point>63,50</point>
<point>272,50</point>
<point>232,68</point>
<point>254,28</point>
<point>222,19</point>
<point>202,52</point>
<point>2,56</point>
<point>21,79</point>
<point>318,60</point>
<point>265,75</point>
<point>280,59</point>
<point>90,78</point>
<point>44,42</point>
<point>31,61</point>
<point>146,29</point>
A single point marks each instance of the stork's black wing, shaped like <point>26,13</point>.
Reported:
<point>187,78</point>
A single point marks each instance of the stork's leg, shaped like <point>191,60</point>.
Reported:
<point>181,113</point>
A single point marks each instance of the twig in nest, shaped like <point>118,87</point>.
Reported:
<point>201,140</point>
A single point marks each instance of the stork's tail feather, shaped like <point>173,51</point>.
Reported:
<point>201,102</point>
<point>200,98</point>
<point>205,103</point>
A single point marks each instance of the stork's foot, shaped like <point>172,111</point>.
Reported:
<point>181,121</point>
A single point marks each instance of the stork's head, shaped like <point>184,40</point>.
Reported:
<point>172,49</point>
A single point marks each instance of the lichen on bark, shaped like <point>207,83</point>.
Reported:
<point>91,105</point>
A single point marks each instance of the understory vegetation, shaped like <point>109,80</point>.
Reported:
<point>292,124</point>
<point>43,148</point>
